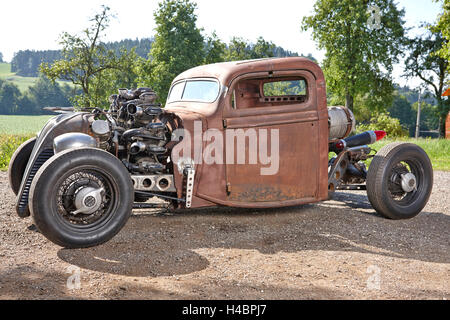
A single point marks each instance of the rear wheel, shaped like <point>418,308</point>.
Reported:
<point>18,164</point>
<point>81,198</point>
<point>400,180</point>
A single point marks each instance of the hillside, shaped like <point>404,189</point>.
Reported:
<point>23,83</point>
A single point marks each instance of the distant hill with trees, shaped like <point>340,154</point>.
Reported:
<point>26,63</point>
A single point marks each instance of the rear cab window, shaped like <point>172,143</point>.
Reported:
<point>269,92</point>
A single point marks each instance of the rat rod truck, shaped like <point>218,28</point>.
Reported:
<point>248,134</point>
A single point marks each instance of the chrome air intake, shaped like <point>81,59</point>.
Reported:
<point>341,122</point>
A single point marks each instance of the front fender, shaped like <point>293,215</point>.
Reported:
<point>43,150</point>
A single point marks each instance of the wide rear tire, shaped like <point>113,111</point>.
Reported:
<point>389,181</point>
<point>65,183</point>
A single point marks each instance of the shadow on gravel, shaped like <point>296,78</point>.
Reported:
<point>27,282</point>
<point>155,245</point>
<point>226,290</point>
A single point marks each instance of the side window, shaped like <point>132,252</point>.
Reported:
<point>285,88</point>
<point>269,92</point>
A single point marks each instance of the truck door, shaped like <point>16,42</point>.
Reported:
<point>275,121</point>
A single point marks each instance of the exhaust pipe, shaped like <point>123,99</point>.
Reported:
<point>365,138</point>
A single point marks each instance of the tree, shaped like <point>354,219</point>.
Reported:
<point>9,97</point>
<point>26,63</point>
<point>214,49</point>
<point>432,69</point>
<point>263,49</point>
<point>178,45</point>
<point>1,57</point>
<point>359,53</point>
<point>238,49</point>
<point>87,63</point>
<point>402,110</point>
<point>443,26</point>
<point>45,93</point>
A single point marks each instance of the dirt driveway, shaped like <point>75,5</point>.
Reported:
<point>339,249</point>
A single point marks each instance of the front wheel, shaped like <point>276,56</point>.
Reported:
<point>81,197</point>
<point>400,180</point>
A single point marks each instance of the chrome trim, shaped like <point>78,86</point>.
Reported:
<point>72,140</point>
<point>190,174</point>
<point>409,182</point>
<point>152,183</point>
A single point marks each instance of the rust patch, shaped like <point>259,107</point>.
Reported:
<point>263,193</point>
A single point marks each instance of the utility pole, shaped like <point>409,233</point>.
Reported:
<point>418,116</point>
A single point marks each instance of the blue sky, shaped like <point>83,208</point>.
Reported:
<point>37,24</point>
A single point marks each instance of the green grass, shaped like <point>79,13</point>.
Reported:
<point>23,83</point>
<point>437,149</point>
<point>5,69</point>
<point>8,144</point>
<point>22,125</point>
<point>15,130</point>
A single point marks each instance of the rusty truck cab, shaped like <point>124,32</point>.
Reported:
<point>264,108</point>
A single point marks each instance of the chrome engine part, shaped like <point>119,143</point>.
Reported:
<point>73,140</point>
<point>154,183</point>
<point>136,132</point>
<point>341,122</point>
<point>190,174</point>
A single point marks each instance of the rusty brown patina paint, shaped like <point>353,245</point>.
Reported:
<point>303,134</point>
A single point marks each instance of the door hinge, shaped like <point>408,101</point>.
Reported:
<point>228,188</point>
<point>224,123</point>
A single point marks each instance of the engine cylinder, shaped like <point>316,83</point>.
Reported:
<point>341,122</point>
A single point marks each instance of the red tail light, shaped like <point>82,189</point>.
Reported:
<point>380,134</point>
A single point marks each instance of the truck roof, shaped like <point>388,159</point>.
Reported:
<point>225,72</point>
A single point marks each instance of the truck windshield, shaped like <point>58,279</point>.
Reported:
<point>194,90</point>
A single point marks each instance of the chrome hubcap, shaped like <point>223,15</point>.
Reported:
<point>409,182</point>
<point>88,200</point>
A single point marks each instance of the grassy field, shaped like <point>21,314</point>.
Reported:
<point>21,125</point>
<point>437,149</point>
<point>22,82</point>
<point>8,144</point>
<point>15,130</point>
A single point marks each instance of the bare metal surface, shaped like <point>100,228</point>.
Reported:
<point>152,183</point>
<point>73,140</point>
<point>341,122</point>
<point>409,182</point>
<point>190,175</point>
<point>88,200</point>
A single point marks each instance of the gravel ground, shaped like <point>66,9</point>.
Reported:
<point>338,249</point>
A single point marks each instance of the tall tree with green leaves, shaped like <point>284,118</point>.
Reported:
<point>263,49</point>
<point>238,49</point>
<point>362,39</point>
<point>87,63</point>
<point>443,26</point>
<point>178,45</point>
<point>214,49</point>
<point>432,69</point>
<point>1,57</point>
<point>9,97</point>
